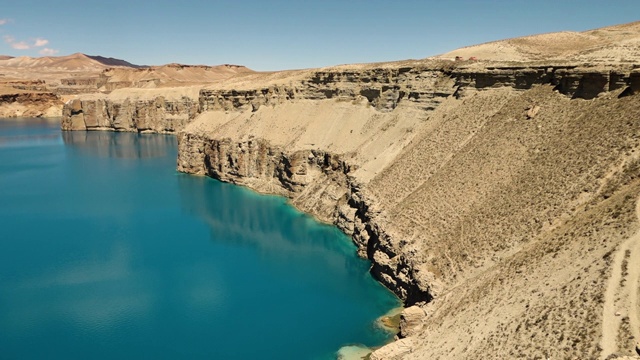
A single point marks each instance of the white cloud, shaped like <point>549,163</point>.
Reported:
<point>26,45</point>
<point>23,45</point>
<point>40,42</point>
<point>20,45</point>
<point>48,52</point>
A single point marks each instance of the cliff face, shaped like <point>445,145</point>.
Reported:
<point>574,81</point>
<point>17,103</point>
<point>383,88</point>
<point>492,197</point>
<point>317,182</point>
<point>151,113</point>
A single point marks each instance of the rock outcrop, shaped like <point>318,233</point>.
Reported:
<point>150,112</point>
<point>29,104</point>
<point>317,182</point>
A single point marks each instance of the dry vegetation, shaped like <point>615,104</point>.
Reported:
<point>519,218</point>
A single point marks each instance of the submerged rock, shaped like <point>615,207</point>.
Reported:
<point>353,352</point>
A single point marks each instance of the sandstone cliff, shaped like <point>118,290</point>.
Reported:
<point>15,102</point>
<point>499,198</point>
<point>144,111</point>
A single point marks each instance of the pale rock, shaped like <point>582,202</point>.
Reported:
<point>394,351</point>
<point>411,321</point>
<point>532,111</point>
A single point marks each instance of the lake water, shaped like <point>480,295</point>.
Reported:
<point>109,253</point>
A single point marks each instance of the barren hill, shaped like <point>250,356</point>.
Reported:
<point>497,198</point>
<point>60,78</point>
<point>77,62</point>
<point>614,44</point>
<point>168,75</point>
<point>31,86</point>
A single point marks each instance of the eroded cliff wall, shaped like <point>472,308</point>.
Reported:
<point>17,103</point>
<point>384,88</point>
<point>164,111</point>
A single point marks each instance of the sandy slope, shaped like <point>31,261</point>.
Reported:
<point>52,68</point>
<point>172,75</point>
<point>621,296</point>
<point>613,44</point>
<point>520,219</point>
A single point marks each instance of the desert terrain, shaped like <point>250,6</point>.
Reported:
<point>497,193</point>
<point>33,87</point>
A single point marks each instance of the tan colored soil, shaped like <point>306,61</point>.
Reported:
<point>613,44</point>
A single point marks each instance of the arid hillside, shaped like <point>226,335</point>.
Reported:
<point>613,45</point>
<point>35,86</point>
<point>498,198</point>
<point>53,68</point>
<point>171,75</point>
<point>51,81</point>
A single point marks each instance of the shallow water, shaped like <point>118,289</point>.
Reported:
<point>108,252</point>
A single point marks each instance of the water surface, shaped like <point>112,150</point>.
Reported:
<point>108,253</point>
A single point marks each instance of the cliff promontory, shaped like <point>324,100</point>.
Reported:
<point>498,198</point>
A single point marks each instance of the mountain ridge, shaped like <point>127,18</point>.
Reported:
<point>73,62</point>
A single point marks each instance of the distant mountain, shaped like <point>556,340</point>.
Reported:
<point>73,62</point>
<point>120,73</point>
<point>114,62</point>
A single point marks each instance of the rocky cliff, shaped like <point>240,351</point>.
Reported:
<point>15,102</point>
<point>423,85</point>
<point>492,196</point>
<point>145,111</point>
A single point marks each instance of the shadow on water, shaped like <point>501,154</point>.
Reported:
<point>120,145</point>
<point>240,217</point>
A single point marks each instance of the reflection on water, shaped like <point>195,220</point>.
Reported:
<point>240,217</point>
<point>120,145</point>
<point>32,132</point>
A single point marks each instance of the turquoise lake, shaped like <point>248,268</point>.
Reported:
<point>109,253</point>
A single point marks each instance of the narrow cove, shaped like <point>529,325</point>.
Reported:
<point>109,252</point>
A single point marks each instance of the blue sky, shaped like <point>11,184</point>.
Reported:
<point>279,34</point>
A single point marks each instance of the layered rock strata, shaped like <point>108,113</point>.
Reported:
<point>317,182</point>
<point>149,111</point>
<point>20,103</point>
<point>383,88</point>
